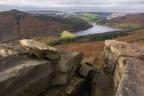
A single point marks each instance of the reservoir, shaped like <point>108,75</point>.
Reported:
<point>95,29</point>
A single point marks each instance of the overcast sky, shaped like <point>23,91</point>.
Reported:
<point>118,4</point>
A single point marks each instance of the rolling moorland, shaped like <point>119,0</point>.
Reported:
<point>48,28</point>
<point>15,24</point>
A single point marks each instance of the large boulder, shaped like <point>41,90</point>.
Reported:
<point>69,60</point>
<point>66,67</point>
<point>40,50</point>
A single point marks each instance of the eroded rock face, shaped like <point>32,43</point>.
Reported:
<point>126,64</point>
<point>132,81</point>
<point>29,78</point>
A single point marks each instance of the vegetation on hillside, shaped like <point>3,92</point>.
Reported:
<point>67,34</point>
<point>92,17</point>
<point>131,21</point>
<point>126,26</point>
<point>129,26</point>
<point>89,17</point>
<point>73,23</point>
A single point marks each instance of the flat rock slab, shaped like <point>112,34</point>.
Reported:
<point>122,48</point>
<point>10,61</point>
<point>30,43</point>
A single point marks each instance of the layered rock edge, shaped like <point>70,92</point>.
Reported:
<point>126,63</point>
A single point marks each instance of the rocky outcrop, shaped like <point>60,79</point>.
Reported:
<point>125,62</point>
<point>24,75</point>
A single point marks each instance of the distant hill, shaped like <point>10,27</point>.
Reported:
<point>101,14</point>
<point>95,17</point>
<point>45,12</point>
<point>115,15</point>
<point>131,20</point>
<point>16,24</point>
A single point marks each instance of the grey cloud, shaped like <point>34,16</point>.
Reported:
<point>113,4</point>
<point>71,2</point>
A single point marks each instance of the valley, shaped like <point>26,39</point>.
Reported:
<point>15,24</point>
<point>68,52</point>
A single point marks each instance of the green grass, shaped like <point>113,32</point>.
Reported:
<point>89,17</point>
<point>92,17</point>
<point>67,34</point>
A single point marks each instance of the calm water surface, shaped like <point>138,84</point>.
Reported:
<point>95,29</point>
